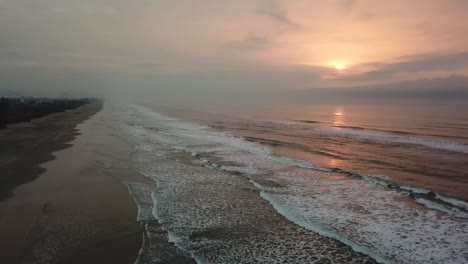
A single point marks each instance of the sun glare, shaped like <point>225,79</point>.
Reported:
<point>340,67</point>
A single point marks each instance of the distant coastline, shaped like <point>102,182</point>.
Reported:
<point>24,148</point>
<point>15,110</point>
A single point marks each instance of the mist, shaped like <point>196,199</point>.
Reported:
<point>245,51</point>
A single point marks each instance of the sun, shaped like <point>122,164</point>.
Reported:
<point>340,67</point>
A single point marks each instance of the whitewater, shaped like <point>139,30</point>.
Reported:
<point>225,199</point>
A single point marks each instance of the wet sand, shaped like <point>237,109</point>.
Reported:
<point>23,147</point>
<point>71,209</point>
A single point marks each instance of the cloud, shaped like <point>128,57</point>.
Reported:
<point>252,42</point>
<point>425,62</point>
<point>276,12</point>
<point>220,46</point>
<point>357,10</point>
<point>453,88</point>
<point>349,4</point>
<point>410,65</point>
<point>366,16</point>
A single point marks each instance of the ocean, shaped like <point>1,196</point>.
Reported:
<point>303,183</point>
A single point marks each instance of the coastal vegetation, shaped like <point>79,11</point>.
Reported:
<point>18,110</point>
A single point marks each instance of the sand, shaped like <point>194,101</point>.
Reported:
<point>71,209</point>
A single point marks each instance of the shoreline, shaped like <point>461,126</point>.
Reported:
<point>69,206</point>
<point>25,146</point>
<point>156,244</point>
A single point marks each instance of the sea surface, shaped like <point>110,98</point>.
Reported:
<point>305,183</point>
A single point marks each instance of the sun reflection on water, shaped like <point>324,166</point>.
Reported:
<point>338,117</point>
<point>334,163</point>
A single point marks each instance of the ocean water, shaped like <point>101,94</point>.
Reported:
<point>304,183</point>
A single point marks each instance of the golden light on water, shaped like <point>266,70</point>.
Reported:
<point>338,117</point>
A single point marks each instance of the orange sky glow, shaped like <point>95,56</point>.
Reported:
<point>325,42</point>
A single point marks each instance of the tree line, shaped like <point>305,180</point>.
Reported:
<point>15,110</point>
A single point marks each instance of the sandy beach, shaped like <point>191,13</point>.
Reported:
<point>61,199</point>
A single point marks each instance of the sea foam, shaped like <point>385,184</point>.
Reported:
<point>373,219</point>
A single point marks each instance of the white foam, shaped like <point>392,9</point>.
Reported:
<point>317,227</point>
<point>437,206</point>
<point>454,201</point>
<point>427,142</point>
<point>414,189</point>
<point>381,223</point>
<point>139,191</point>
<point>449,200</point>
<point>296,162</point>
<point>285,122</point>
<point>380,180</point>
<point>372,219</point>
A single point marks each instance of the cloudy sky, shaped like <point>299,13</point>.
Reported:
<point>124,47</point>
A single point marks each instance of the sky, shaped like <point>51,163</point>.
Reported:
<point>200,47</point>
